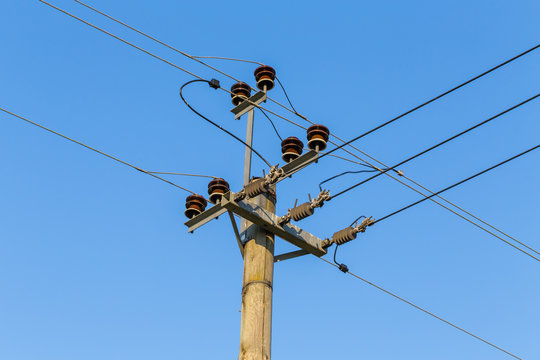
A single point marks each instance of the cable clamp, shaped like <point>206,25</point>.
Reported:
<point>214,84</point>
<point>274,174</point>
<point>364,224</point>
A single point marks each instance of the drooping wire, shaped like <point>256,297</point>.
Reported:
<point>340,266</point>
<point>457,184</point>
<point>286,95</point>
<point>95,150</point>
<point>213,123</point>
<point>437,145</point>
<point>425,311</point>
<point>358,218</point>
<point>345,173</point>
<point>272,123</point>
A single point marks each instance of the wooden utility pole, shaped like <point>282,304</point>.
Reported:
<point>255,204</point>
<point>256,323</point>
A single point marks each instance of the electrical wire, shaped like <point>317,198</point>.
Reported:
<point>213,123</point>
<point>344,173</point>
<point>181,174</point>
<point>459,183</point>
<point>286,95</point>
<point>227,58</point>
<point>192,57</point>
<point>95,150</point>
<point>425,311</point>
<point>272,123</point>
<point>435,98</point>
<point>455,212</point>
<point>168,62</point>
<point>333,135</point>
<point>294,110</point>
<point>437,145</point>
<point>401,174</point>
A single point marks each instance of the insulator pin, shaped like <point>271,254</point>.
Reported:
<point>265,76</point>
<point>301,211</point>
<point>345,235</point>
<point>216,188</point>
<point>317,136</point>
<point>255,187</point>
<point>195,204</point>
<point>291,148</point>
<point>240,92</point>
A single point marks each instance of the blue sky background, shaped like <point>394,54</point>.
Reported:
<point>95,262</point>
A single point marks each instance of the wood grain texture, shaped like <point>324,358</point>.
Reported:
<point>256,322</point>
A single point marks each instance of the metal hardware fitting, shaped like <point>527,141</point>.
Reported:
<point>349,233</point>
<point>306,209</point>
<point>259,186</point>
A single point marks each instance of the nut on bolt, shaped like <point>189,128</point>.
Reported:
<point>195,204</point>
<point>216,188</point>
<point>291,148</point>
<point>240,92</point>
<point>265,76</point>
<point>317,136</point>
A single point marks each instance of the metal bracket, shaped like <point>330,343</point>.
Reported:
<point>290,255</point>
<point>248,104</point>
<point>298,164</point>
<point>270,222</point>
<point>205,217</point>
<point>236,233</point>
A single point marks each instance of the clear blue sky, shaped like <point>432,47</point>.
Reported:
<point>95,262</point>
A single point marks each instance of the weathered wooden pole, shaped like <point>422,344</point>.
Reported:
<point>256,323</point>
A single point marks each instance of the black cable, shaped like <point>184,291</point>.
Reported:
<point>458,183</point>
<point>344,173</point>
<point>358,218</point>
<point>273,125</point>
<point>437,145</point>
<point>213,123</point>
<point>286,95</point>
<point>340,266</point>
<point>433,99</point>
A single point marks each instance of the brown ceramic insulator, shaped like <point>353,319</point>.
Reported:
<point>291,148</point>
<point>317,136</point>
<point>265,76</point>
<point>240,92</point>
<point>195,204</point>
<point>216,189</point>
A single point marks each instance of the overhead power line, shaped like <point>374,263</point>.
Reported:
<point>294,110</point>
<point>95,150</point>
<point>424,310</point>
<point>435,98</point>
<point>437,145</point>
<point>192,57</point>
<point>338,138</point>
<point>459,183</point>
<point>163,60</point>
